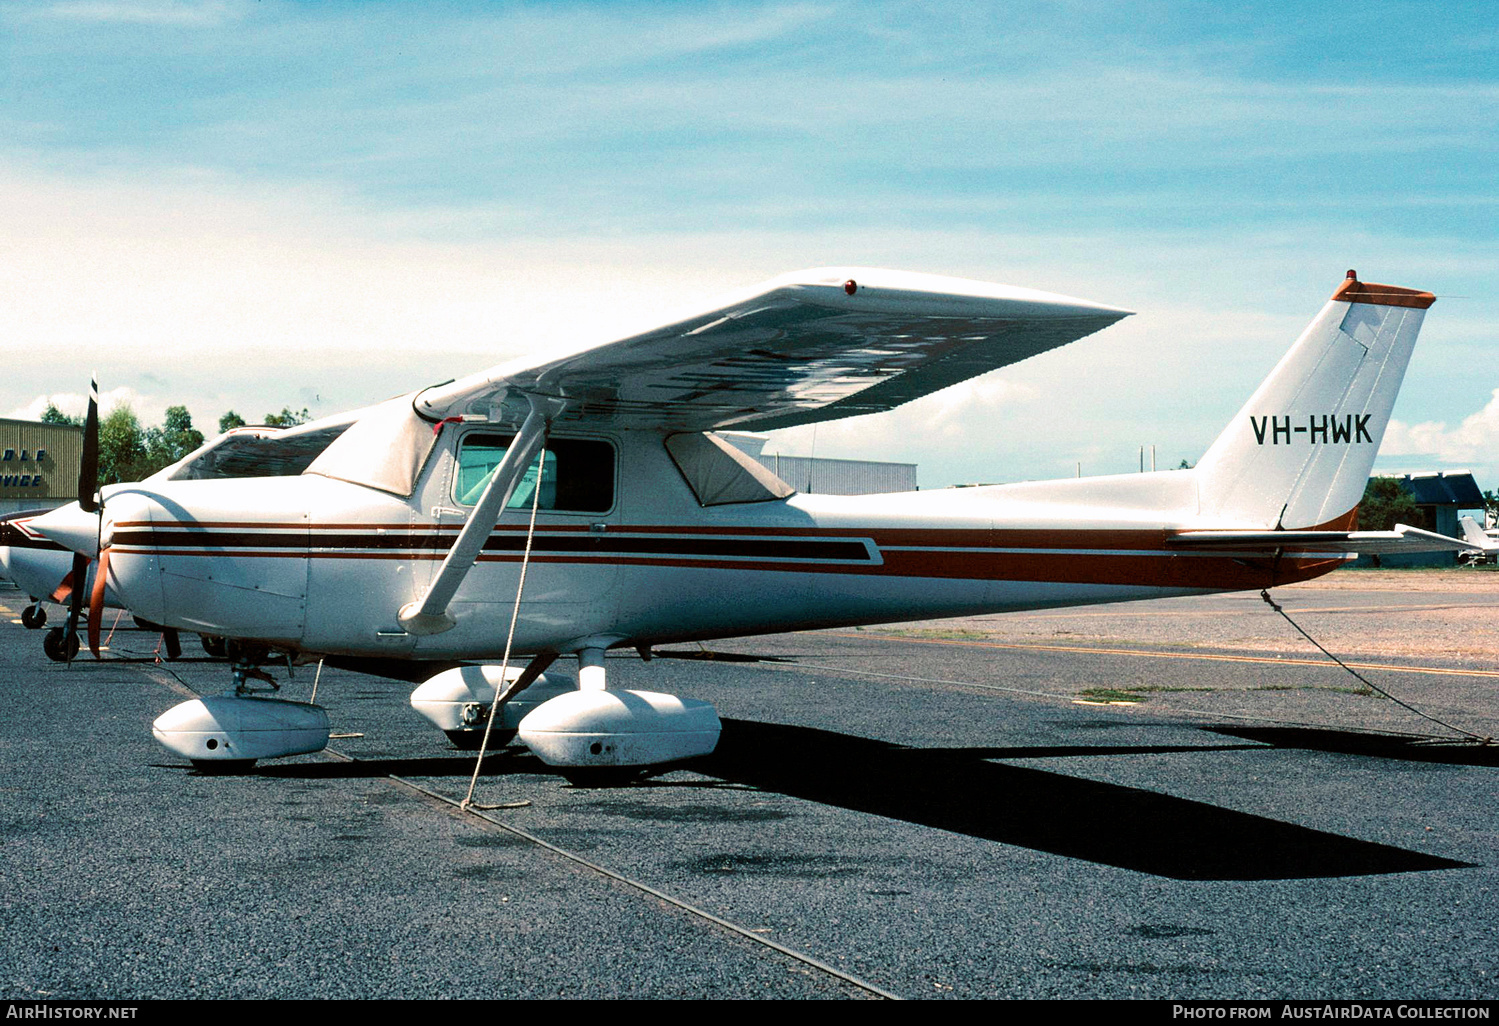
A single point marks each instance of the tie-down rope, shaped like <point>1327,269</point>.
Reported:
<point>501,691</point>
<point>1480,738</point>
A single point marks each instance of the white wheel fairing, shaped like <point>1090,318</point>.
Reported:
<point>620,728</point>
<point>231,728</point>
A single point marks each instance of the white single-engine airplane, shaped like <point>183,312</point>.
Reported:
<point>411,537</point>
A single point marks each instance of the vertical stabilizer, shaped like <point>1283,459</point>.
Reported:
<point>1298,454</point>
<point>1475,535</point>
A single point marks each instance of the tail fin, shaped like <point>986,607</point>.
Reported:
<point>1475,535</point>
<point>1298,454</point>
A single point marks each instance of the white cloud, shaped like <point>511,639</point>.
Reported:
<point>1473,443</point>
<point>204,271</point>
<point>148,12</point>
<point>148,409</point>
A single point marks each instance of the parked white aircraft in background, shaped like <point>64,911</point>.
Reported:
<point>1485,541</point>
<point>408,539</point>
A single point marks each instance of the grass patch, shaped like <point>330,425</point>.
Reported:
<point>1365,692</point>
<point>1130,694</point>
<point>948,635</point>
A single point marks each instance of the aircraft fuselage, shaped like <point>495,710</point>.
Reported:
<point>324,566</point>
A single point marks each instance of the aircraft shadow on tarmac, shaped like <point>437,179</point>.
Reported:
<point>1452,751</point>
<point>958,789</point>
<point>499,763</point>
<point>962,790</point>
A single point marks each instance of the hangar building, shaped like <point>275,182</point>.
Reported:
<point>1442,498</point>
<point>823,476</point>
<point>38,464</point>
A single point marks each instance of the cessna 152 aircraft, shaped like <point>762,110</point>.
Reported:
<point>567,506</point>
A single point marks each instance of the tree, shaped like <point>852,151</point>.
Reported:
<point>1387,503</point>
<point>288,417</point>
<point>230,421</point>
<point>52,415</point>
<point>173,440</point>
<point>122,449</point>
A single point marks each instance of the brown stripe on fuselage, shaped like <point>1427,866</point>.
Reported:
<point>1163,570</point>
<point>1129,556</point>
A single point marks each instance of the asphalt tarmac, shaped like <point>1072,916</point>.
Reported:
<point>936,810</point>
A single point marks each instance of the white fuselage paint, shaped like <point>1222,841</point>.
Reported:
<point>324,566</point>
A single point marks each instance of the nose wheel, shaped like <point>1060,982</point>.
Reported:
<point>34,617</point>
<point>60,646</point>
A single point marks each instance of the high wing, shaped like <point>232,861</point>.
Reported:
<point>1402,539</point>
<point>809,346</point>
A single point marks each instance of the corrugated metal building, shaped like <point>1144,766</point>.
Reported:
<point>840,477</point>
<point>1441,497</point>
<point>823,476</point>
<point>38,464</point>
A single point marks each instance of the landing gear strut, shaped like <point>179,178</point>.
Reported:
<point>245,669</point>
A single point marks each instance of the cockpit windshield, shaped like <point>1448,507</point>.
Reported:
<point>256,452</point>
<point>385,448</point>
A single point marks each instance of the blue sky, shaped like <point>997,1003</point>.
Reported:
<point>258,204</point>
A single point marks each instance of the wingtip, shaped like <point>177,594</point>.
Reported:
<point>867,283</point>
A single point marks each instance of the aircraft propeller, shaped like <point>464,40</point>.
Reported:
<point>88,485</point>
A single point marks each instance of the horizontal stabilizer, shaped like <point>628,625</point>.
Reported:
<point>1403,538</point>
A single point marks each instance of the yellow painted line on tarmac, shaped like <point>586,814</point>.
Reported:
<point>1208,656</point>
<point>1424,607</point>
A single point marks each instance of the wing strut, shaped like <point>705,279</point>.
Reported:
<point>430,615</point>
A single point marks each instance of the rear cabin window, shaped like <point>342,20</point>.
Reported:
<point>577,475</point>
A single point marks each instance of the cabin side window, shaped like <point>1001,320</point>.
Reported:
<point>577,474</point>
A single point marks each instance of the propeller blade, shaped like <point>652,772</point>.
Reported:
<point>75,598</point>
<point>88,471</point>
<point>88,487</point>
<point>64,590</point>
<point>96,603</point>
